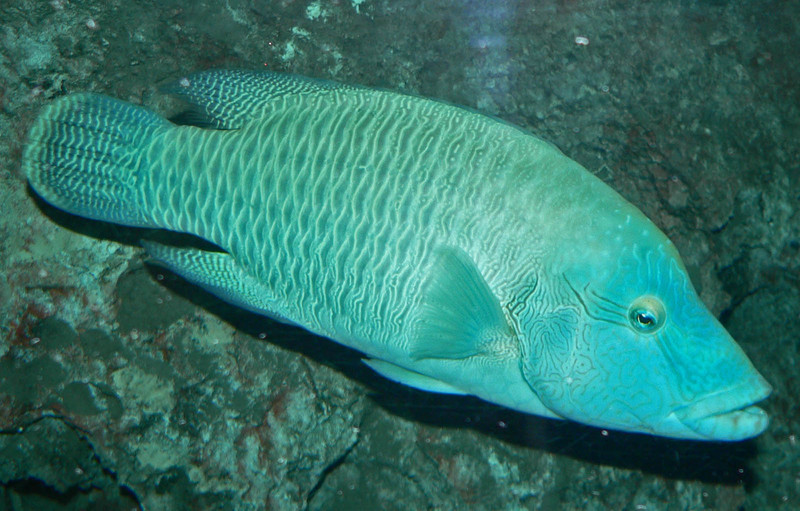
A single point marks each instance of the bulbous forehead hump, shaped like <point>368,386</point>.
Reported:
<point>610,240</point>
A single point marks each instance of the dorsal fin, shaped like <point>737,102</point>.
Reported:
<point>459,316</point>
<point>228,99</point>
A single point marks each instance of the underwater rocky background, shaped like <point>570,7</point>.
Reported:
<point>123,387</point>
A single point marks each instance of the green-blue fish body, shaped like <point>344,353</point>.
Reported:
<point>460,253</point>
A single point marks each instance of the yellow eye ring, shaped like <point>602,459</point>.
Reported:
<point>646,314</point>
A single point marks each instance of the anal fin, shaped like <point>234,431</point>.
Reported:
<point>220,274</point>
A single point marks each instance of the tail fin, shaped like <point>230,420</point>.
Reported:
<point>86,154</point>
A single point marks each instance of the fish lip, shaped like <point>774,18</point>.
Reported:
<point>728,415</point>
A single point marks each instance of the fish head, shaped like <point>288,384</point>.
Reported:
<point>630,346</point>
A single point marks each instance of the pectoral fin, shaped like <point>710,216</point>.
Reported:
<point>459,316</point>
<point>410,378</point>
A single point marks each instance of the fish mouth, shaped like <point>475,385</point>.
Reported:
<point>729,415</point>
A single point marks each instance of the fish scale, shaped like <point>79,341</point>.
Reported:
<point>461,254</point>
<point>291,180</point>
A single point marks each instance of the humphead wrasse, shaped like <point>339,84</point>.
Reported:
<point>461,254</point>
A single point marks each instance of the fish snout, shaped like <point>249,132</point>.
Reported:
<point>728,415</point>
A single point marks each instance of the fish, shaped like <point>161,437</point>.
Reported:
<point>459,253</point>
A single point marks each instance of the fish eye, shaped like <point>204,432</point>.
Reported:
<point>646,314</point>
